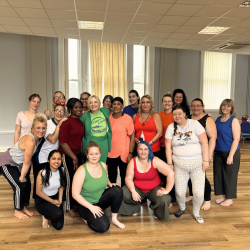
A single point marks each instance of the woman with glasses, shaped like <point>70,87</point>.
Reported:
<point>58,98</point>
<point>49,142</point>
<point>84,99</point>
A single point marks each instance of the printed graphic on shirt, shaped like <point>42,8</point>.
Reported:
<point>98,125</point>
<point>183,138</point>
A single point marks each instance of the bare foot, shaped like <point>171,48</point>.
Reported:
<point>117,223</point>
<point>206,205</point>
<point>84,221</point>
<point>171,205</point>
<point>222,198</point>
<point>45,222</point>
<point>189,198</point>
<point>26,211</point>
<point>20,215</point>
<point>156,217</point>
<point>135,214</point>
<point>227,203</point>
<point>71,214</point>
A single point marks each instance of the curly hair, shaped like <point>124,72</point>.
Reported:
<point>151,102</point>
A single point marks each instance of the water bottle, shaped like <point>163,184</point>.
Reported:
<point>142,138</point>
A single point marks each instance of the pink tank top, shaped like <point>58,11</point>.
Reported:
<point>146,181</point>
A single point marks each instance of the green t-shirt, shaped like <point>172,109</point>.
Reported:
<point>98,124</point>
<point>93,188</point>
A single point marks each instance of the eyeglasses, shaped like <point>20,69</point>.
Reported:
<point>197,106</point>
<point>59,111</point>
<point>84,99</point>
<point>59,97</point>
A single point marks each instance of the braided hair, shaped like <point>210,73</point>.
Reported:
<point>175,108</point>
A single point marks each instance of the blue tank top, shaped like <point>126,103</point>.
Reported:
<point>224,135</point>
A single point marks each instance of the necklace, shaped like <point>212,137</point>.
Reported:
<point>143,122</point>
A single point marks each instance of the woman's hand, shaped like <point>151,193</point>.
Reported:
<point>113,185</point>
<point>161,191</point>
<point>136,196</point>
<point>205,165</point>
<point>95,210</point>
<point>136,141</point>
<point>63,119</point>
<point>229,160</point>
<point>75,163</point>
<point>22,179</point>
<point>57,203</point>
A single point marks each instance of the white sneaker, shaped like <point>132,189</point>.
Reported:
<point>199,219</point>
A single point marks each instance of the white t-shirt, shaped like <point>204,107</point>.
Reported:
<point>54,183</point>
<point>185,142</point>
<point>47,147</point>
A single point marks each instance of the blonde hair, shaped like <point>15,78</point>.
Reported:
<point>92,144</point>
<point>168,94</point>
<point>230,103</point>
<point>96,97</point>
<point>53,98</point>
<point>38,118</point>
<point>151,102</point>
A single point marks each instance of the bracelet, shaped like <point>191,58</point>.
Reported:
<point>131,153</point>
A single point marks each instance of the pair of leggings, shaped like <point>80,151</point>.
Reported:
<point>113,163</point>
<point>68,165</point>
<point>207,191</point>
<point>162,156</point>
<point>21,189</point>
<point>50,211</point>
<point>185,169</point>
<point>225,176</point>
<point>159,204</point>
<point>110,197</point>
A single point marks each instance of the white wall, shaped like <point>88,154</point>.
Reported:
<point>13,84</point>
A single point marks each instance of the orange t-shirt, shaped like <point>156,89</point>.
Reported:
<point>166,121</point>
<point>122,128</point>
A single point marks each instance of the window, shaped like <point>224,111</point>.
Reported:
<point>73,67</point>
<point>139,69</point>
<point>216,82</point>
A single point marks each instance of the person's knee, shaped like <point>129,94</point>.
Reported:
<point>57,214</point>
<point>117,191</point>
<point>164,200</point>
<point>59,226</point>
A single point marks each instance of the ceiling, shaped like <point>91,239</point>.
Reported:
<point>159,23</point>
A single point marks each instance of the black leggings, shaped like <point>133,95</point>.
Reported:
<point>113,163</point>
<point>50,211</point>
<point>21,189</point>
<point>110,197</point>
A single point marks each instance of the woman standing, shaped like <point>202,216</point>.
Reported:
<point>123,141</point>
<point>70,140</point>
<point>84,99</point>
<point>226,154</point>
<point>97,127</point>
<point>58,98</point>
<point>107,102</point>
<point>143,182</point>
<point>15,164</point>
<point>89,191</point>
<point>49,188</point>
<point>49,142</point>
<point>180,98</point>
<point>208,124</point>
<point>134,100</point>
<point>190,156</point>
<point>148,122</point>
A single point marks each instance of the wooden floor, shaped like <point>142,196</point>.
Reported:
<point>224,228</point>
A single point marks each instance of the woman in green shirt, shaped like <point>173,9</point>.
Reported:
<point>88,189</point>
<point>97,127</point>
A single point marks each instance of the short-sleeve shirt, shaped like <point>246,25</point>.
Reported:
<point>71,132</point>
<point>130,111</point>
<point>25,123</point>
<point>185,142</point>
<point>166,119</point>
<point>122,128</point>
<point>98,124</point>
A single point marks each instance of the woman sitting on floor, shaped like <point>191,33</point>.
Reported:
<point>88,189</point>
<point>143,181</point>
<point>49,189</point>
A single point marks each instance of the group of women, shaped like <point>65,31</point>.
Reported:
<point>76,155</point>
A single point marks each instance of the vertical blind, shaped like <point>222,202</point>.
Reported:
<point>216,78</point>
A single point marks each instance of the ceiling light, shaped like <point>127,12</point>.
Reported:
<point>245,4</point>
<point>90,25</point>
<point>213,30</point>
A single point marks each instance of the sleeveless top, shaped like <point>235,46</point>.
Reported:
<point>224,135</point>
<point>54,183</point>
<point>149,130</point>
<point>93,188</point>
<point>202,121</point>
<point>146,181</point>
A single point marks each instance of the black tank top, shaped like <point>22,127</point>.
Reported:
<point>202,121</point>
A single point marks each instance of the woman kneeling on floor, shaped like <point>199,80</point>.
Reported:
<point>143,181</point>
<point>49,189</point>
<point>88,189</point>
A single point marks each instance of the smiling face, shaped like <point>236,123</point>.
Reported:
<point>146,105</point>
<point>167,103</point>
<point>55,161</point>
<point>133,98</point>
<point>59,113</point>
<point>179,116</point>
<point>94,105</point>
<point>197,108</point>
<point>178,98</point>
<point>94,155</point>
<point>35,103</point>
<point>142,151</point>
<point>84,99</point>
<point>39,129</point>
<point>226,109</point>
<point>107,103</point>
<point>117,107</point>
<point>58,98</point>
<point>76,111</point>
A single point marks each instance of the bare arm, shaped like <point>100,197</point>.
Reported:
<point>67,150</point>
<point>168,146</point>
<point>159,128</point>
<point>17,133</point>
<point>212,135</point>
<point>54,137</point>
<point>204,147</point>
<point>46,112</point>
<point>136,140</point>
<point>131,146</point>
<point>236,139</point>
